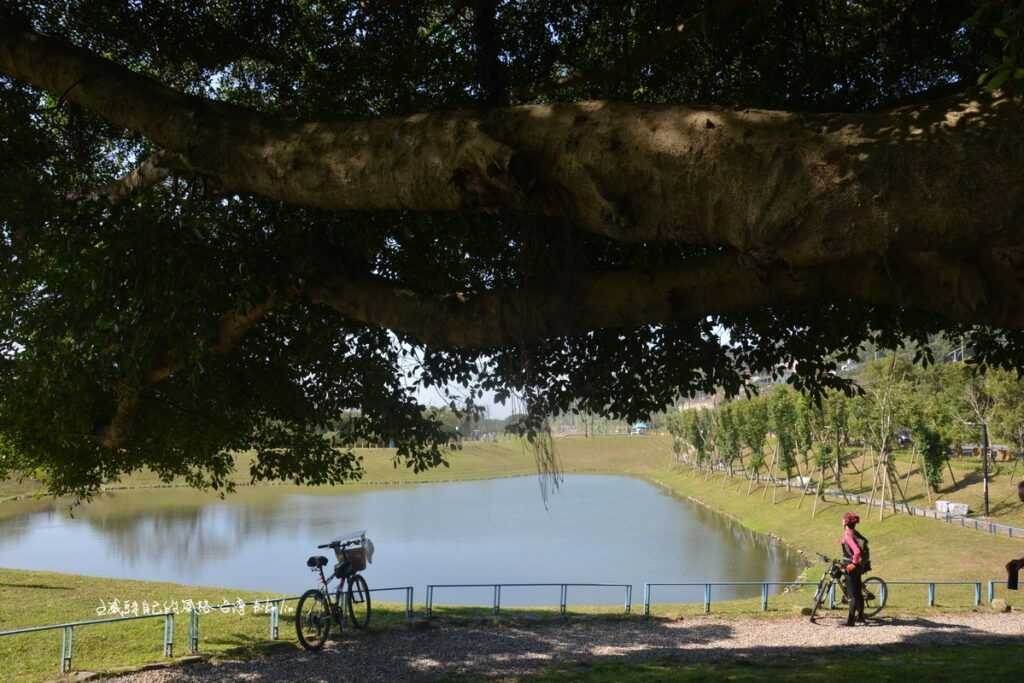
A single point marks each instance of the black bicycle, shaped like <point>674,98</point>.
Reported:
<point>316,611</point>
<point>873,589</point>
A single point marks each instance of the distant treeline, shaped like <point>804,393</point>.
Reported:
<point>936,410</point>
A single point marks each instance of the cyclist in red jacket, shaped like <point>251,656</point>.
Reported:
<point>854,567</point>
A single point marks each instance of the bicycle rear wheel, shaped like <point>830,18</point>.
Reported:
<point>876,594</point>
<point>819,594</point>
<point>313,620</point>
<point>358,601</point>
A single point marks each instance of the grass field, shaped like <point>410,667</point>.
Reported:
<point>902,548</point>
<point>962,663</point>
<point>29,598</point>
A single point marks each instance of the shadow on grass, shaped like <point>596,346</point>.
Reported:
<point>965,480</point>
<point>37,586</point>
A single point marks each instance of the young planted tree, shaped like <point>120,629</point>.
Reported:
<point>755,427</point>
<point>835,432</point>
<point>728,438</point>
<point>675,423</point>
<point>782,415</point>
<point>934,447</point>
<point>1007,390</point>
<point>875,414</point>
<point>808,417</point>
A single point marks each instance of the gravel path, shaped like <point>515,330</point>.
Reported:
<point>433,651</point>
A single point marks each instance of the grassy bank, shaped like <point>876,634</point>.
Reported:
<point>902,547</point>
<point>29,598</point>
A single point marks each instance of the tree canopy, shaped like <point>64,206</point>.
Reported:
<point>224,225</point>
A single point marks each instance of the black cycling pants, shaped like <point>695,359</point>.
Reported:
<point>855,595</point>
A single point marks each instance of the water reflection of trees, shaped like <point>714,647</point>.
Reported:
<point>178,529</point>
<point>782,560</point>
<point>19,518</point>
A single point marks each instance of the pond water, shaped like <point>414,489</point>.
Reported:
<point>595,529</point>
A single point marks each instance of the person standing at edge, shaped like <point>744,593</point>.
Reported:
<point>854,545</point>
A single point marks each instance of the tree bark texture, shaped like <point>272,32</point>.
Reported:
<point>920,206</point>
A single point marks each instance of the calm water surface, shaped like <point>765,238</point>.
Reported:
<point>600,529</point>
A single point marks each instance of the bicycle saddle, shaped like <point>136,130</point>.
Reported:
<point>316,561</point>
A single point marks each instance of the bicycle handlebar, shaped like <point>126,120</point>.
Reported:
<point>337,544</point>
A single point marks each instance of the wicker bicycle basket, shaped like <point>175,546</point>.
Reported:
<point>356,557</point>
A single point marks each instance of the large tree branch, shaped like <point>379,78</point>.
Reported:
<point>151,171</point>
<point>806,189</point>
<point>983,287</point>
<point>232,327</point>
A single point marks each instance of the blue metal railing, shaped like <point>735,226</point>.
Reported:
<point>992,588</point>
<point>563,598</point>
<point>275,604</point>
<point>274,611</point>
<point>68,635</point>
<point>931,585</point>
<point>708,585</point>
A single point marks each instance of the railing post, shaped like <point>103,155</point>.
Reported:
<point>193,631</point>
<point>497,597</point>
<point>931,595</point>
<point>707,598</point>
<point>169,634</point>
<point>563,599</point>
<point>832,596</point>
<point>764,597</point>
<point>430,600</point>
<point>991,591</point>
<point>408,602</point>
<point>647,599</point>
<point>629,597</point>
<point>66,643</point>
<point>275,611</point>
<point>977,594</point>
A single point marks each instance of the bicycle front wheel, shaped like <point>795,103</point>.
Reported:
<point>313,620</point>
<point>875,595</point>
<point>358,601</point>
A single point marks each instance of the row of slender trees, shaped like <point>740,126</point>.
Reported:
<point>940,408</point>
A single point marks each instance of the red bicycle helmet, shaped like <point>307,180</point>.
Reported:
<point>851,518</point>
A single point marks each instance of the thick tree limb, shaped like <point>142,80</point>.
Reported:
<point>233,326</point>
<point>805,189</point>
<point>150,172</point>
<point>984,287</point>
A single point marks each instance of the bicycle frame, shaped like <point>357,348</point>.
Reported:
<point>325,588</point>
